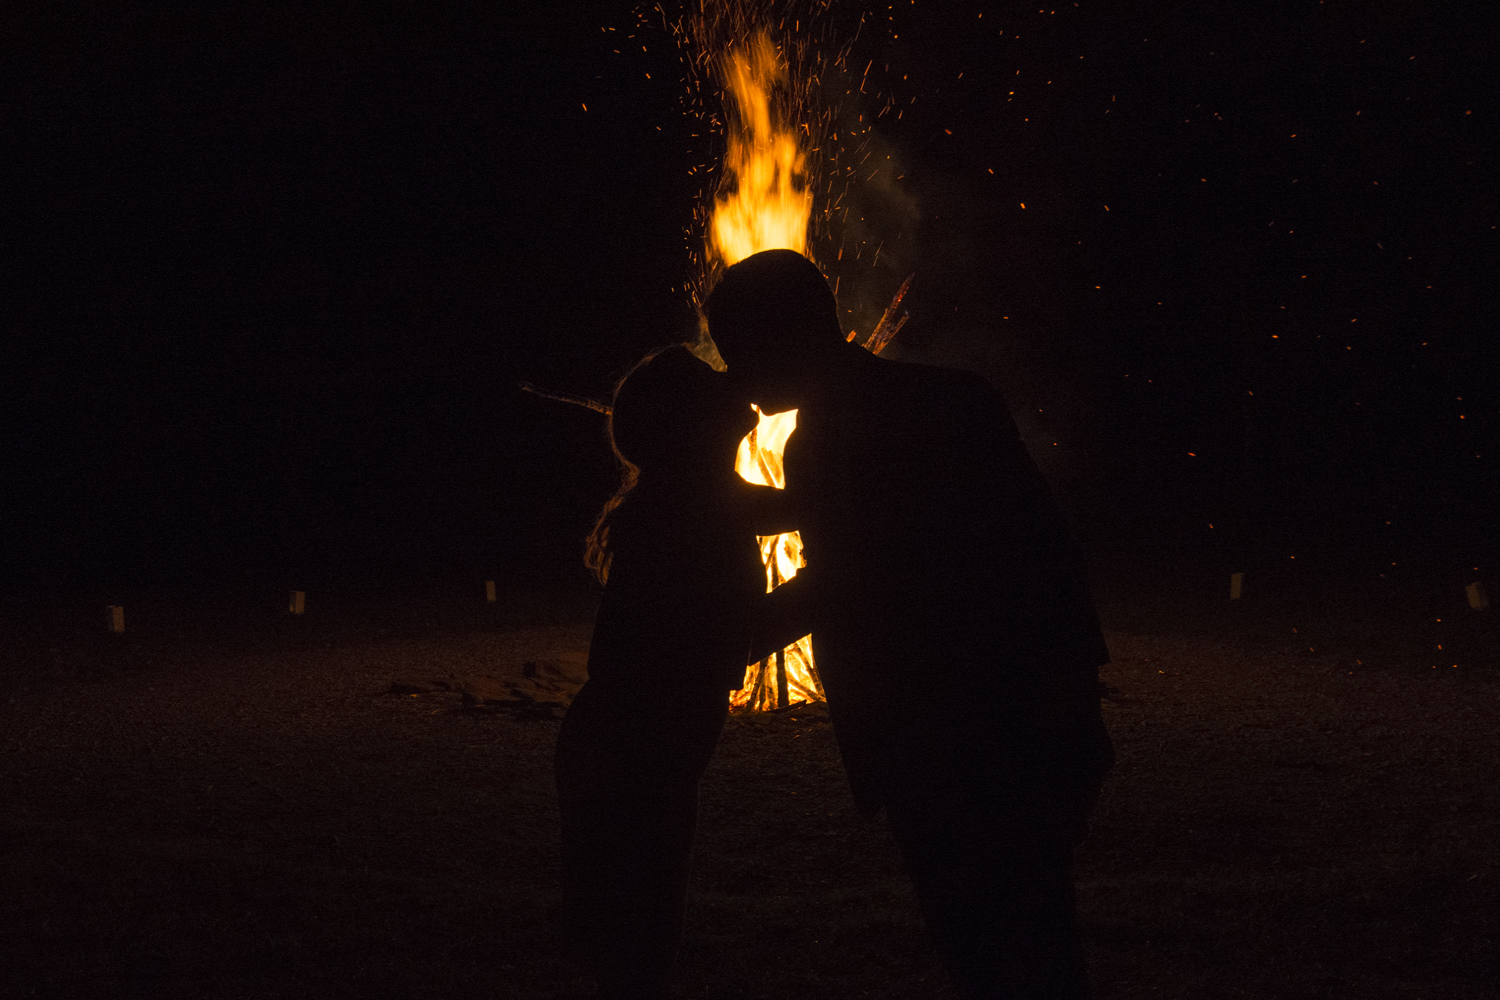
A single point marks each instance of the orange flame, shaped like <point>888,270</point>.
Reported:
<point>759,461</point>
<point>765,204</point>
<point>770,204</point>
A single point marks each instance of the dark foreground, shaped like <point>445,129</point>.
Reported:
<point>219,807</point>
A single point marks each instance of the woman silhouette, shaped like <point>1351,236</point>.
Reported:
<point>684,591</point>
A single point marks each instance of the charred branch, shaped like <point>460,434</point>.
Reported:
<point>885,331</point>
<point>584,401</point>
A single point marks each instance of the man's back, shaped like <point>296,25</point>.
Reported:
<point>951,623</point>
<point>926,514</point>
<point>949,582</point>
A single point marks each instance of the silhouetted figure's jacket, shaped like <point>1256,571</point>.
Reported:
<point>951,624</point>
<point>959,648</point>
<point>945,580</point>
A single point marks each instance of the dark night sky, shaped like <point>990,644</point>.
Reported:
<point>273,276</point>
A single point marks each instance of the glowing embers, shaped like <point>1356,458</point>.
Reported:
<point>765,202</point>
<point>789,676</point>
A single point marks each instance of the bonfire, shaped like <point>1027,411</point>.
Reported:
<point>764,201</point>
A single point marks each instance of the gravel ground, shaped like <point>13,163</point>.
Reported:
<point>1282,825</point>
<point>240,809</point>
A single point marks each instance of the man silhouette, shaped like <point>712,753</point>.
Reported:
<point>952,625</point>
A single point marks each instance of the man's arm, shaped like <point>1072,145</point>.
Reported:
<point>784,615</point>
<point>772,511</point>
<point>776,511</point>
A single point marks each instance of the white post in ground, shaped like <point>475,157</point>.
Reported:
<point>1478,599</point>
<point>1236,585</point>
<point>298,602</point>
<point>489,591</point>
<point>116,617</point>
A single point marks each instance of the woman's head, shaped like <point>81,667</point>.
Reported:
<point>671,413</point>
<point>674,421</point>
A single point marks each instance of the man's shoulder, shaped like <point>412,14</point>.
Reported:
<point>952,392</point>
<point>914,375</point>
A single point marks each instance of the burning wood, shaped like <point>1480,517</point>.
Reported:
<point>787,676</point>
<point>885,331</point>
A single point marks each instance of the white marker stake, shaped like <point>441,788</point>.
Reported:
<point>299,602</point>
<point>489,591</point>
<point>116,617</point>
<point>1236,585</point>
<point>1478,599</point>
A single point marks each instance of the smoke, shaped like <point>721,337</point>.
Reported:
<point>864,235</point>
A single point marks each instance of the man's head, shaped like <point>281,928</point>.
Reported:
<point>774,319</point>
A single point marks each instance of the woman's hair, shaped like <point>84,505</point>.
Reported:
<point>652,416</point>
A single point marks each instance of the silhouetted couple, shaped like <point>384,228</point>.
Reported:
<point>951,621</point>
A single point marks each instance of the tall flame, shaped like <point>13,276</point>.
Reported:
<point>765,204</point>
<point>770,204</point>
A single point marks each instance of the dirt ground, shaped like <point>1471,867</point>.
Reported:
<point>226,804</point>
